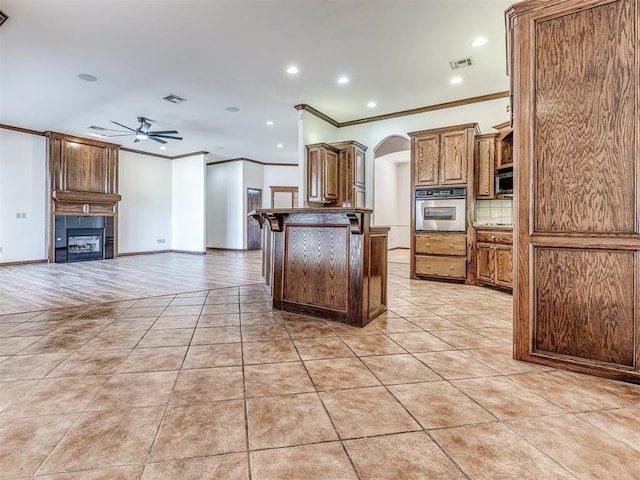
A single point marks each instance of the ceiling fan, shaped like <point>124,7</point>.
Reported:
<point>143,132</point>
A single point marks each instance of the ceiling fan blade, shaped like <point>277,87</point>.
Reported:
<point>121,135</point>
<point>165,136</point>
<point>163,132</point>
<point>155,139</point>
<point>123,126</point>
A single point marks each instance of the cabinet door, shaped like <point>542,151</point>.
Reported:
<point>454,158</point>
<point>330,176</point>
<point>505,150</point>
<point>485,160</point>
<point>359,167</point>
<point>427,160</point>
<point>485,270</point>
<point>314,175</point>
<point>504,265</point>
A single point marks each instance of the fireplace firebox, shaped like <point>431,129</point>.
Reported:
<point>80,238</point>
<point>85,244</point>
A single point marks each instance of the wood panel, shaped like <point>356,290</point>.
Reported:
<point>504,265</point>
<point>316,265</point>
<point>455,158</point>
<point>584,121</point>
<point>377,275</point>
<point>579,311</point>
<point>485,159</point>
<point>426,160</point>
<point>486,263</point>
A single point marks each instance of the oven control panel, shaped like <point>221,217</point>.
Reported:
<point>455,192</point>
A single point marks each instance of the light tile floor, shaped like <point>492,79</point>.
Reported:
<point>215,385</point>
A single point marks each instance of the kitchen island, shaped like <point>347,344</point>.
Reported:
<point>327,262</point>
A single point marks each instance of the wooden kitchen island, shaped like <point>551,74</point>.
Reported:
<point>327,262</point>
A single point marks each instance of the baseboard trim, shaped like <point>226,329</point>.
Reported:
<point>24,262</point>
<point>230,249</point>
<point>189,252</point>
<point>131,254</point>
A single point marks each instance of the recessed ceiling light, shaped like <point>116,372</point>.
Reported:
<point>219,148</point>
<point>163,148</point>
<point>343,80</point>
<point>478,42</point>
<point>280,145</point>
<point>372,104</point>
<point>99,135</point>
<point>141,136</point>
<point>292,70</point>
<point>455,80</point>
<point>269,123</point>
<point>87,77</point>
<point>232,109</point>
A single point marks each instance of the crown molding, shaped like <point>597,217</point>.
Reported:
<point>242,159</point>
<point>403,113</point>
<point>21,130</point>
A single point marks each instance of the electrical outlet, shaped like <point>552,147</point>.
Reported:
<point>0,249</point>
<point>494,213</point>
<point>17,214</point>
<point>24,215</point>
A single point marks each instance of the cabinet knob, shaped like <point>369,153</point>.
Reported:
<point>451,245</point>
<point>493,237</point>
<point>428,244</point>
<point>486,191</point>
<point>451,267</point>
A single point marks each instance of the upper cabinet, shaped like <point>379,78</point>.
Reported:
<point>442,156</point>
<point>485,157</point>
<point>335,173</point>
<point>504,150</point>
<point>322,173</point>
<point>351,173</point>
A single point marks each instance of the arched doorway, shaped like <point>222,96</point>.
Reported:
<point>392,188</point>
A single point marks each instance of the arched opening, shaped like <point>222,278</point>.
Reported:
<point>392,188</point>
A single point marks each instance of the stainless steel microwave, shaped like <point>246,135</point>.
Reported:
<point>504,181</point>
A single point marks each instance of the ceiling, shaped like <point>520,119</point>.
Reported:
<point>234,53</point>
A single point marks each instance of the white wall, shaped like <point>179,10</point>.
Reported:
<point>252,177</point>
<point>144,213</point>
<point>392,205</point>
<point>403,171</point>
<point>225,206</point>
<point>23,189</point>
<point>278,176</point>
<point>188,209</point>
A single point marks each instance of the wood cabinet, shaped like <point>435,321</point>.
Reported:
<point>351,159</point>
<point>485,159</point>
<point>494,258</point>
<point>504,149</point>
<point>575,73</point>
<point>322,173</point>
<point>441,255</point>
<point>442,156</point>
<point>328,262</point>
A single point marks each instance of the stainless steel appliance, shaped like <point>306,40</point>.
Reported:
<point>504,181</point>
<point>441,209</point>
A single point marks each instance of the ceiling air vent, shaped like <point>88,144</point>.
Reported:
<point>3,18</point>
<point>174,98</point>
<point>95,127</point>
<point>463,62</point>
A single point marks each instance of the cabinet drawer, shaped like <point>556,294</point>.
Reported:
<point>453,267</point>
<point>441,243</point>
<point>494,236</point>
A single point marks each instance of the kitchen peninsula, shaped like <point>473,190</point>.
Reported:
<point>328,262</point>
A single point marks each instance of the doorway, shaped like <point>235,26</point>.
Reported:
<point>254,200</point>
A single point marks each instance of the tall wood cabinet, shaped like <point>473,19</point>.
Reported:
<point>485,156</point>
<point>443,157</point>
<point>574,69</point>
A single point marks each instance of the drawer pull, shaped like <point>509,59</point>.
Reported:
<point>451,245</point>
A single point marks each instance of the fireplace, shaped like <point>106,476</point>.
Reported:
<point>80,238</point>
<point>85,244</point>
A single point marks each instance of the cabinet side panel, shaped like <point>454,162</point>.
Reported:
<point>317,265</point>
<point>584,136</point>
<point>584,304</point>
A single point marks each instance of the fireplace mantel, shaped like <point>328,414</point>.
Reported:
<point>67,202</point>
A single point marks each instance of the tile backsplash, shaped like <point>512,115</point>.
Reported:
<point>494,212</point>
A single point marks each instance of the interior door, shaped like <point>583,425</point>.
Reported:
<point>254,200</point>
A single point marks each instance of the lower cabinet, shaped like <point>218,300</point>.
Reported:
<point>441,255</point>
<point>494,257</point>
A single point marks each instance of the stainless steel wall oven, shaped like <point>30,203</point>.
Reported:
<point>441,209</point>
